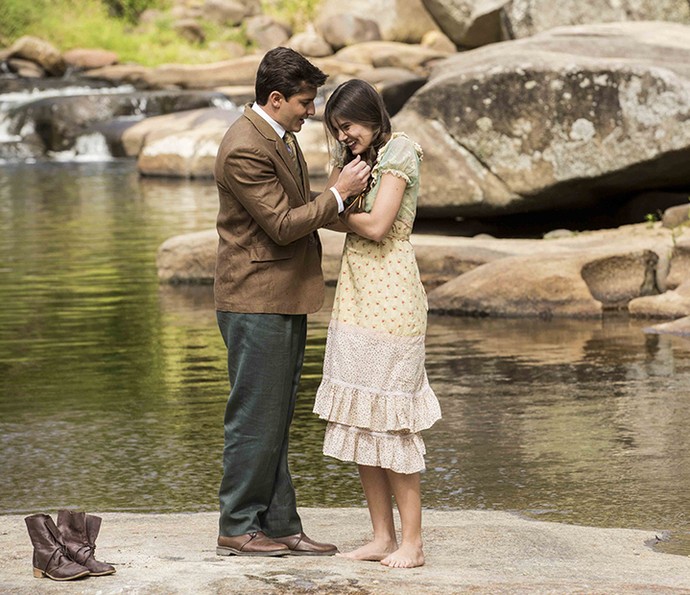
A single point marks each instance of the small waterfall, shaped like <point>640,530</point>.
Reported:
<point>88,147</point>
<point>18,141</point>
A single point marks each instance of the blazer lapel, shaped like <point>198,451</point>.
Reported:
<point>301,184</point>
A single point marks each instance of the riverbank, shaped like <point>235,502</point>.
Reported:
<point>467,552</point>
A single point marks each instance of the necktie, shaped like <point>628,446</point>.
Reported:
<point>291,143</point>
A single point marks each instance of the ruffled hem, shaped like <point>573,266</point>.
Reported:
<point>378,410</point>
<point>402,453</point>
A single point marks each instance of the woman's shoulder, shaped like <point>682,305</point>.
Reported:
<point>400,142</point>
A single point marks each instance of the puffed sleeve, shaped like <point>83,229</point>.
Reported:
<point>338,156</point>
<point>401,158</point>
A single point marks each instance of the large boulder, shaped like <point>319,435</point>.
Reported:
<point>563,120</point>
<point>182,144</point>
<point>473,23</point>
<point>397,20</point>
<point>523,18</point>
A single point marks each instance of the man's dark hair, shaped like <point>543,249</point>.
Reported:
<point>286,71</point>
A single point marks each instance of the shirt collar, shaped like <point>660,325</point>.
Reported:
<point>280,131</point>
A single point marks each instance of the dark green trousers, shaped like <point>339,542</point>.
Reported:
<point>265,355</point>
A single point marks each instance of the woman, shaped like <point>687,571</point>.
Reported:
<point>375,393</point>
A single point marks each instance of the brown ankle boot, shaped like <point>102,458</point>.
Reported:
<point>79,530</point>
<point>51,558</point>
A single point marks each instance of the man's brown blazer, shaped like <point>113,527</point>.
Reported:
<point>269,254</point>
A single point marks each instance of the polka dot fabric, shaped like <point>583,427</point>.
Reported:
<point>375,393</point>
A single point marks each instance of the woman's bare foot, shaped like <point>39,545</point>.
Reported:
<point>374,551</point>
<point>406,556</point>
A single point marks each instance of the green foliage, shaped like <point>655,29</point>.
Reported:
<point>112,25</point>
<point>131,9</point>
<point>16,16</point>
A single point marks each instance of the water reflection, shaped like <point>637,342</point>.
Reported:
<point>113,387</point>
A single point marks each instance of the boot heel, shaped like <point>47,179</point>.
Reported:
<point>38,573</point>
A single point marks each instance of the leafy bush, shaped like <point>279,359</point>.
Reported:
<point>131,9</point>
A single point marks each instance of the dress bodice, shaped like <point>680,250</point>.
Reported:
<point>401,157</point>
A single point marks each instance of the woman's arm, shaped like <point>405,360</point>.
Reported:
<point>376,224</point>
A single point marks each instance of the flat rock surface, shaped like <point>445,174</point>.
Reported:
<point>467,552</point>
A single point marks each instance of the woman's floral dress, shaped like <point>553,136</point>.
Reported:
<point>375,393</point>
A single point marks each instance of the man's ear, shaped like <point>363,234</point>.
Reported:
<point>275,99</point>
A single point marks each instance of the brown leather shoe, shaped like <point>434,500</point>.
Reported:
<point>301,545</point>
<point>251,544</point>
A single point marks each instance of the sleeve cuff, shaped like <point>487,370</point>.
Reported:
<point>341,205</point>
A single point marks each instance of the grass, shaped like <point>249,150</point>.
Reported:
<point>70,24</point>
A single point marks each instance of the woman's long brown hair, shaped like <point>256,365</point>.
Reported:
<point>358,102</point>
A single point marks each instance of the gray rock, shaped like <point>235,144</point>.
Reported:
<point>524,18</point>
<point>561,120</point>
<point>469,23</point>
<point>474,23</point>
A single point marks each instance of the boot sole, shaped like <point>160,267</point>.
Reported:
<point>229,551</point>
<point>106,573</point>
<point>38,573</point>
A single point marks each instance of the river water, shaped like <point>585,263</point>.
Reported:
<point>112,387</point>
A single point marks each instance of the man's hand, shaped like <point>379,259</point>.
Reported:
<point>353,179</point>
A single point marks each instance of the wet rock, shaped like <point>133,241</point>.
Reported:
<point>559,121</point>
<point>396,20</point>
<point>679,327</point>
<point>189,258</point>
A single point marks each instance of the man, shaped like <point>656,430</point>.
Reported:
<point>268,278</point>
